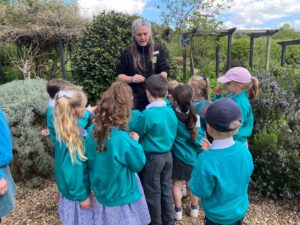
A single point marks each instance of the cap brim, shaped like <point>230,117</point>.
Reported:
<point>223,79</point>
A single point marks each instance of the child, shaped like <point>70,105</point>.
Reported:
<point>7,184</point>
<point>114,158</point>
<point>70,160</point>
<point>172,84</point>
<point>221,175</point>
<point>200,86</point>
<point>186,147</point>
<point>239,82</point>
<point>157,126</point>
<point>53,87</point>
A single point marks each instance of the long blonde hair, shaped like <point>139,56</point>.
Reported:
<point>65,121</point>
<point>253,88</point>
<point>200,87</point>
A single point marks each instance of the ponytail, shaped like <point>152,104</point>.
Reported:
<point>65,122</point>
<point>206,89</point>
<point>253,89</point>
<point>191,122</point>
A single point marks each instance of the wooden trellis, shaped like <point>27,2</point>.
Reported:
<point>283,49</point>
<point>229,33</point>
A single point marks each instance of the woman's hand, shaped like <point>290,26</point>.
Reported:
<point>87,204</point>
<point>3,186</point>
<point>137,78</point>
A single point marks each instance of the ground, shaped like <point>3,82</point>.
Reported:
<point>39,206</point>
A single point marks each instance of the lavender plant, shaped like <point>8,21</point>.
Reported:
<point>276,141</point>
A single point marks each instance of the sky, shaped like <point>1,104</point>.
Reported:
<point>242,14</point>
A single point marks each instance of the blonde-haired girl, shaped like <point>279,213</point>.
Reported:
<point>243,86</point>
<point>114,158</point>
<point>70,160</point>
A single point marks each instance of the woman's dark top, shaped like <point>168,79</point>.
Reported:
<point>126,67</point>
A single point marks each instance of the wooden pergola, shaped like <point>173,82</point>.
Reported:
<point>229,33</point>
<point>283,49</point>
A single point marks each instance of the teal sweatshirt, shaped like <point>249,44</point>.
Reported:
<point>246,128</point>
<point>199,104</point>
<point>72,178</point>
<point>184,150</point>
<point>113,171</point>
<point>5,143</point>
<point>221,178</point>
<point>157,127</point>
<point>82,122</point>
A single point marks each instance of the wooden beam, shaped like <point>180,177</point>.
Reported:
<point>184,63</point>
<point>251,51</point>
<point>283,50</point>
<point>217,60</point>
<point>1,75</point>
<point>293,42</point>
<point>268,49</point>
<point>60,47</point>
<point>192,71</point>
<point>229,49</point>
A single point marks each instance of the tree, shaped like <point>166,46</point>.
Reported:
<point>191,14</point>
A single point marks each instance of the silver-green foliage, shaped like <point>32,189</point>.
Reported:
<point>24,103</point>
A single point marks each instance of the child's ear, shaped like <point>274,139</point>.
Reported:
<point>148,93</point>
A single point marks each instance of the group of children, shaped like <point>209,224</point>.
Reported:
<point>136,163</point>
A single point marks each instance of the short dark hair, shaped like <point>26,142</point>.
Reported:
<point>55,85</point>
<point>157,85</point>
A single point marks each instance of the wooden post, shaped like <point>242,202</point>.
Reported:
<point>184,63</point>
<point>217,60</point>
<point>1,75</point>
<point>61,55</point>
<point>229,51</point>
<point>283,51</point>
<point>268,48</point>
<point>251,51</point>
<point>192,72</point>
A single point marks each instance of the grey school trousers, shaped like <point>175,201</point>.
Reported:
<point>157,183</point>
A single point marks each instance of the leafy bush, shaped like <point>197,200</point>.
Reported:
<point>276,142</point>
<point>25,104</point>
<point>98,51</point>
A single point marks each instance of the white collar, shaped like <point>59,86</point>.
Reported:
<point>225,143</point>
<point>156,104</point>
<point>51,102</point>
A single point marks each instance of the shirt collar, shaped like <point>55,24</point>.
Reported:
<point>156,104</point>
<point>51,102</point>
<point>82,132</point>
<point>220,144</point>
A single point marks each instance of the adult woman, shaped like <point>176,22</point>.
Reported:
<point>140,60</point>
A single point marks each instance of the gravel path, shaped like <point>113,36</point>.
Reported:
<point>39,206</point>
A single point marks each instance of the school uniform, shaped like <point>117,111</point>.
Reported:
<point>245,131</point>
<point>220,179</point>
<point>120,197</point>
<point>82,122</point>
<point>7,200</point>
<point>157,128</point>
<point>200,110</point>
<point>185,153</point>
<point>73,184</point>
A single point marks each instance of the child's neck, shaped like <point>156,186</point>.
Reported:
<point>152,99</point>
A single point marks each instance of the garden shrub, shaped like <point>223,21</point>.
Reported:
<point>24,103</point>
<point>98,51</point>
<point>276,142</point>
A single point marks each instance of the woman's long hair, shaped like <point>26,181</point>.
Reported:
<point>65,122</point>
<point>113,110</point>
<point>134,46</point>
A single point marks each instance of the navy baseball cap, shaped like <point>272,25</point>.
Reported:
<point>221,113</point>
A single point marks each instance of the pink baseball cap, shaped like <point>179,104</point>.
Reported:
<point>237,74</point>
